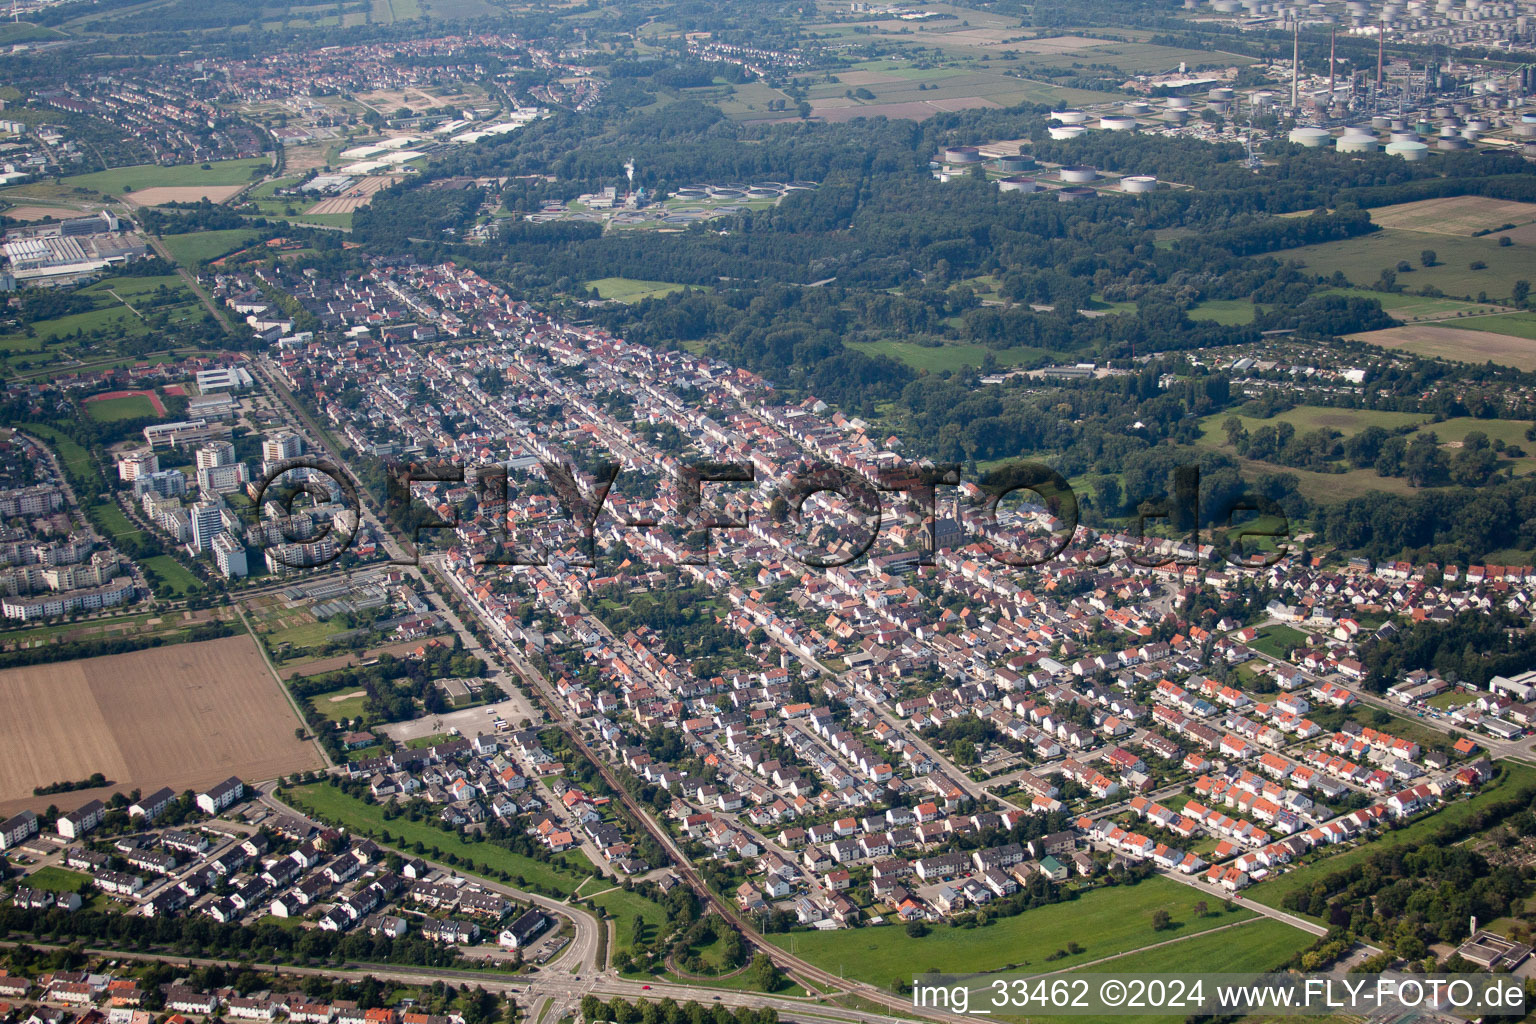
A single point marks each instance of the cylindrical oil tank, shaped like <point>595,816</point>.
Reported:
<point>1018,183</point>
<point>1311,138</point>
<point>1117,123</point>
<point>1064,132</point>
<point>1137,108</point>
<point>1412,151</point>
<point>1356,140</point>
<point>1072,195</point>
<point>1139,183</point>
<point>962,155</point>
<point>1454,143</point>
<point>1069,116</point>
<point>1015,164</point>
<point>1177,115</point>
<point>1178,103</point>
<point>1078,174</point>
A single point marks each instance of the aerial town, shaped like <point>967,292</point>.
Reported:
<point>716,514</point>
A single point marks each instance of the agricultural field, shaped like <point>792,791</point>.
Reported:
<point>1361,260</point>
<point>185,715</point>
<point>1455,215</point>
<point>1105,922</point>
<point>138,624</point>
<point>220,175</point>
<point>1454,343</point>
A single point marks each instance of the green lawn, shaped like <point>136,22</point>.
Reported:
<point>129,407</point>
<point>1231,312</point>
<point>1274,640</point>
<point>56,879</point>
<point>175,575</point>
<point>323,801</point>
<point>1405,306</point>
<point>1272,891</point>
<point>625,908</point>
<point>1307,418</point>
<point>340,710</point>
<point>949,356</point>
<point>198,247</point>
<point>109,519</point>
<point>1517,325</point>
<point>629,289</point>
<point>301,636</point>
<point>225,172</point>
<point>1256,947</point>
<point>1103,922</point>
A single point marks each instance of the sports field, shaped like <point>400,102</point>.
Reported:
<point>123,405</point>
<point>185,715</point>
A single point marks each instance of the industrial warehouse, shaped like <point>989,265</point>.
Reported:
<point>64,252</point>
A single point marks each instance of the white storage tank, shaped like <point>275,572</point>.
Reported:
<point>1018,183</point>
<point>1065,132</point>
<point>1117,123</point>
<point>962,155</point>
<point>1356,140</point>
<point>1079,174</point>
<point>1178,103</point>
<point>1069,116</point>
<point>1074,194</point>
<point>1141,108</point>
<point>1312,138</point>
<point>1412,151</point>
<point>1139,183</point>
